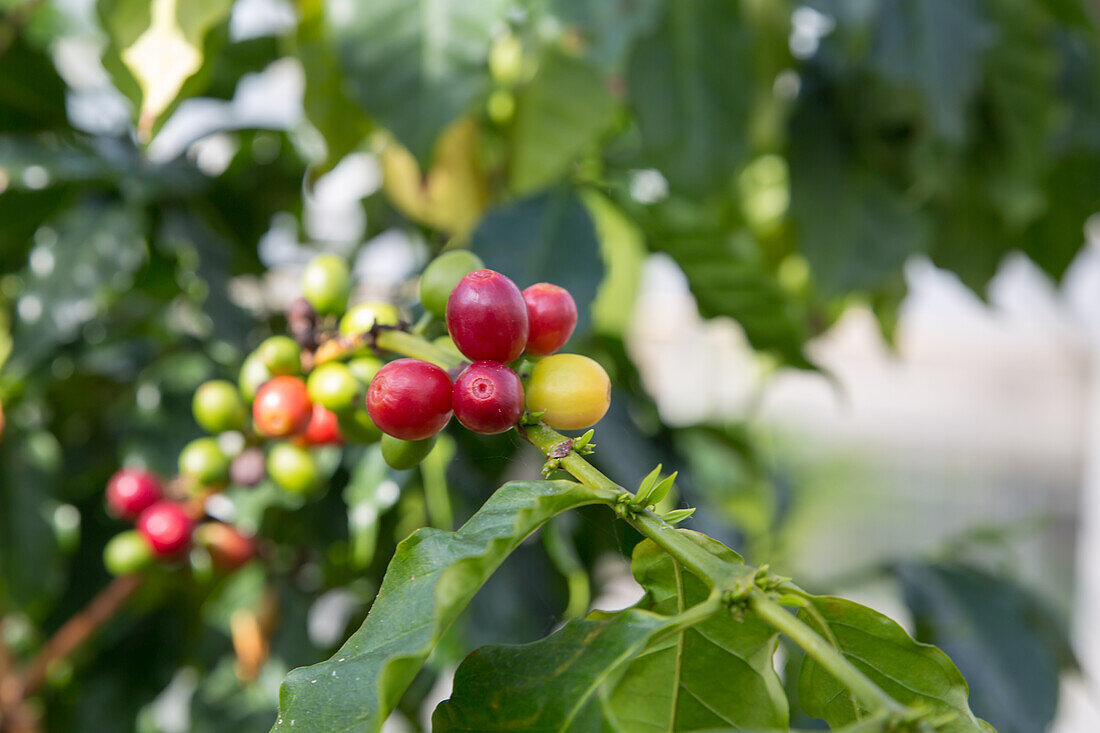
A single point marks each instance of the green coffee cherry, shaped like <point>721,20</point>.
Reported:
<point>363,317</point>
<point>442,274</point>
<point>252,377</point>
<point>127,552</point>
<point>293,468</point>
<point>364,368</point>
<point>401,455</point>
<point>326,284</point>
<point>203,461</point>
<point>357,427</point>
<point>218,407</point>
<point>281,355</point>
<point>334,387</point>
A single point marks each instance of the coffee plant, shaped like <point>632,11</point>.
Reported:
<point>225,437</point>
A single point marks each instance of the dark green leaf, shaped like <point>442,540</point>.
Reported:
<point>717,673</point>
<point>414,65</point>
<point>431,578</point>
<point>32,95</point>
<point>691,83</point>
<point>998,634</point>
<point>545,238</point>
<point>912,673</point>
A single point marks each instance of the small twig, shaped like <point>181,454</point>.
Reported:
<point>78,630</point>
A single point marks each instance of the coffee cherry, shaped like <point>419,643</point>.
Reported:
<point>228,548</point>
<point>293,468</point>
<point>281,355</point>
<point>127,552</point>
<point>363,317</point>
<point>357,427</point>
<point>488,398</point>
<point>552,315</point>
<point>364,368</point>
<point>410,399</point>
<point>323,429</point>
<point>248,468</point>
<point>130,492</point>
<point>166,527</point>
<point>204,462</point>
<point>334,387</point>
<point>572,391</point>
<point>282,407</point>
<point>326,284</point>
<point>253,376</point>
<point>442,275</point>
<point>218,407</point>
<point>401,455</point>
<point>487,317</point>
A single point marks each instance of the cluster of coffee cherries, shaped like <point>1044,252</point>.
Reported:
<point>326,384</point>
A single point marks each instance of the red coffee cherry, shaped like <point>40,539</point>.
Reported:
<point>131,491</point>
<point>552,316</point>
<point>282,407</point>
<point>487,317</point>
<point>410,399</point>
<point>488,397</point>
<point>323,428</point>
<point>166,527</point>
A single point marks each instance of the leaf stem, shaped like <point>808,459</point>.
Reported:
<point>407,344</point>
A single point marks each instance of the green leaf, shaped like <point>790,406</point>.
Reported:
<point>998,633</point>
<point>691,86</point>
<point>606,30</point>
<point>545,238</point>
<point>32,95</point>
<point>554,684</point>
<point>368,494</point>
<point>414,65</point>
<point>717,673</point>
<point>937,46</point>
<point>432,576</point>
<point>912,673</point>
<point>560,113</point>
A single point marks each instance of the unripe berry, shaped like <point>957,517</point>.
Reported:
<point>130,492</point>
<point>167,528</point>
<point>442,275</point>
<point>228,548</point>
<point>204,462</point>
<point>281,355</point>
<point>323,429</point>
<point>401,455</point>
<point>293,468</point>
<point>488,397</point>
<point>364,368</point>
<point>248,468</point>
<point>218,407</point>
<point>552,317</point>
<point>487,317</point>
<point>253,376</point>
<point>334,387</point>
<point>326,284</point>
<point>364,316</point>
<point>282,407</point>
<point>410,399</point>
<point>571,391</point>
<point>357,427</point>
<point>127,552</point>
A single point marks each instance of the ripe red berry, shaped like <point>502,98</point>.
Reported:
<point>130,492</point>
<point>166,527</point>
<point>488,397</point>
<point>282,407</point>
<point>323,428</point>
<point>552,315</point>
<point>487,317</point>
<point>410,399</point>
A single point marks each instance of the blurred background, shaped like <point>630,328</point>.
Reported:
<point>838,256</point>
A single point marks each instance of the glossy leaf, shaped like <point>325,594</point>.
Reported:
<point>686,682</point>
<point>912,673</point>
<point>414,65</point>
<point>432,576</point>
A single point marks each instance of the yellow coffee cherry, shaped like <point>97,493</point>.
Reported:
<point>572,391</point>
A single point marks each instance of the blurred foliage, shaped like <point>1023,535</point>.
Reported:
<point>789,159</point>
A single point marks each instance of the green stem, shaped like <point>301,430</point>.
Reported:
<point>407,344</point>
